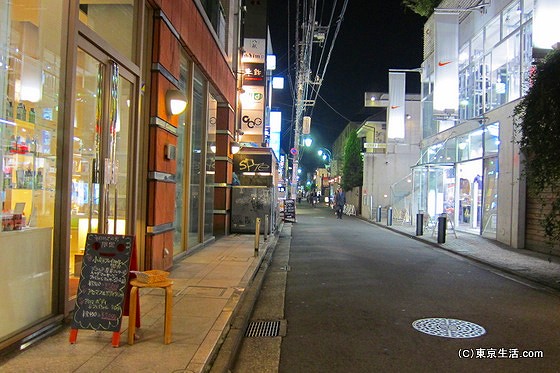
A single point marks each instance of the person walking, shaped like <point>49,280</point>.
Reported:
<point>339,202</point>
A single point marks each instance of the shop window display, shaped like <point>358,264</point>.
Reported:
<point>29,91</point>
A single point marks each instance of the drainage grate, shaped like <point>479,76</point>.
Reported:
<point>450,328</point>
<point>263,329</point>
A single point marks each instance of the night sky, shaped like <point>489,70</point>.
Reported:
<point>375,36</point>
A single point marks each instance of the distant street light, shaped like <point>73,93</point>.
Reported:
<point>325,153</point>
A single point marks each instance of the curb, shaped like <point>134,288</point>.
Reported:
<point>224,353</point>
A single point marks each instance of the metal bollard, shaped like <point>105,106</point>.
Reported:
<point>379,214</point>
<point>389,216</point>
<point>265,233</point>
<point>442,228</point>
<point>257,235</point>
<point>419,224</point>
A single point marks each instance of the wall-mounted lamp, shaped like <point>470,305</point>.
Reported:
<point>235,147</point>
<point>175,102</point>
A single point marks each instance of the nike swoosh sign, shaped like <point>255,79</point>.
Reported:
<point>444,63</point>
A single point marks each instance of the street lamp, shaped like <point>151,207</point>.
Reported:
<point>327,157</point>
<point>325,153</point>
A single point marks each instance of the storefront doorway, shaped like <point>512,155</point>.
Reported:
<point>469,196</point>
<point>102,127</point>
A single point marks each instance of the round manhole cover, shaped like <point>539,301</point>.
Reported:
<point>449,328</point>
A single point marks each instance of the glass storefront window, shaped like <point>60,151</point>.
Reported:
<point>113,20</point>
<point>210,168</point>
<point>469,146</point>
<point>505,75</point>
<point>475,142</point>
<point>463,146</point>
<point>490,204</point>
<point>477,46</point>
<point>492,139</point>
<point>178,246</point>
<point>492,36</point>
<point>527,57</point>
<point>433,153</point>
<point>30,77</point>
<point>511,19</point>
<point>419,189</point>
<point>197,132</point>
<point>528,7</point>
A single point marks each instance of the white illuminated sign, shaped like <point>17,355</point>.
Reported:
<point>546,28</point>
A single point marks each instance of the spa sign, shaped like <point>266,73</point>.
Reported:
<point>252,163</point>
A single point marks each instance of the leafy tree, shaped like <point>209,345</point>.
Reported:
<point>353,165</point>
<point>537,120</point>
<point>422,7</point>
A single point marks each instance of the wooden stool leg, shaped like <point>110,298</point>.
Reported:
<point>168,315</point>
<point>132,315</point>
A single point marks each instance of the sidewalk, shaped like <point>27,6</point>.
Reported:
<point>540,268</point>
<point>208,286</point>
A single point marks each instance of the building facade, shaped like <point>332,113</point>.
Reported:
<point>387,175</point>
<point>477,60</point>
<point>89,144</point>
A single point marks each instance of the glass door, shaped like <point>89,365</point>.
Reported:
<point>101,128</point>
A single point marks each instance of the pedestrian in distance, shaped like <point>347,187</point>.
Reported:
<point>339,202</point>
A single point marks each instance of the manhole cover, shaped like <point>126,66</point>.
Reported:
<point>263,329</point>
<point>450,328</point>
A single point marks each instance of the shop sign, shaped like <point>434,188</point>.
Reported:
<point>252,163</point>
<point>103,282</point>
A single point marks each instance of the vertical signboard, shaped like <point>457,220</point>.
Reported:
<point>252,111</point>
<point>446,77</point>
<point>396,112</point>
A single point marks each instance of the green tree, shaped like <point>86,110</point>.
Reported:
<point>422,7</point>
<point>353,164</point>
<point>537,121</point>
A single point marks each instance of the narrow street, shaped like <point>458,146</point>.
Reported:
<point>353,291</point>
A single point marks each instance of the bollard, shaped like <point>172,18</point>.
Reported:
<point>379,214</point>
<point>389,216</point>
<point>442,228</point>
<point>265,228</point>
<point>257,235</point>
<point>419,224</point>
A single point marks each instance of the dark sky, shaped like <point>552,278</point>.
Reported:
<point>375,36</point>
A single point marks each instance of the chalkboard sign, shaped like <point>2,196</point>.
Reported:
<point>103,282</point>
<point>290,209</point>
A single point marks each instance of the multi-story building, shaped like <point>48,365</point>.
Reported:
<point>477,59</point>
<point>89,142</point>
<point>387,156</point>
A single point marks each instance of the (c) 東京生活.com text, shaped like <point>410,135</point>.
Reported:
<point>499,353</point>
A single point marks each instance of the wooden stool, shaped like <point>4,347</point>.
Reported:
<point>167,285</point>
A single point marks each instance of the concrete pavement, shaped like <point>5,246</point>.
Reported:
<point>538,267</point>
<point>210,286</point>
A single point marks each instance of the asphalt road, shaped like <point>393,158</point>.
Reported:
<point>353,291</point>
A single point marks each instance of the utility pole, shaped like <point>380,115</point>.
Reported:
<point>303,64</point>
